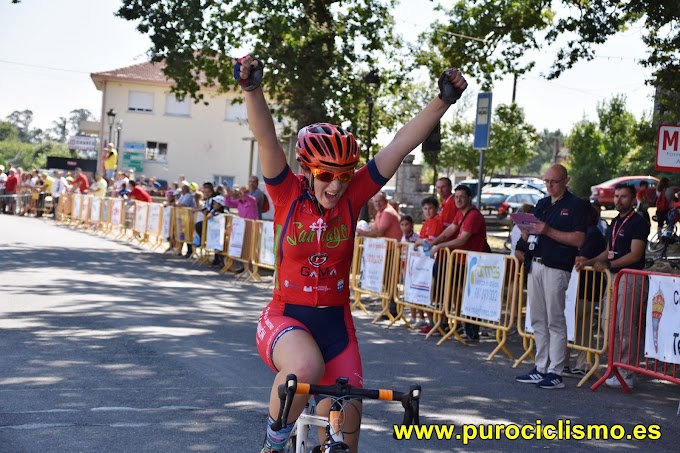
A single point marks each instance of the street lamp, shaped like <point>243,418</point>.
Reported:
<point>369,79</point>
<point>111,115</point>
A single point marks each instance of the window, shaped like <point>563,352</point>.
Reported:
<point>175,107</point>
<point>235,112</point>
<point>227,181</point>
<point>140,101</point>
<point>157,152</point>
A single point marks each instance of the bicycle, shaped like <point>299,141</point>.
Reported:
<point>340,392</point>
<point>660,241</point>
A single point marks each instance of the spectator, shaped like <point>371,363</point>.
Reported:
<point>3,180</point>
<point>138,193</point>
<point>208,193</point>
<point>110,161</point>
<point>260,196</point>
<point>644,201</point>
<point>59,187</point>
<point>553,243</point>
<point>386,223</point>
<point>449,210</point>
<point>186,200</point>
<point>98,189</point>
<point>663,204</point>
<point>407,233</point>
<point>466,232</point>
<point>80,182</point>
<point>245,203</point>
<point>625,250</point>
<point>119,182</point>
<point>11,190</point>
<point>431,228</point>
<point>124,191</point>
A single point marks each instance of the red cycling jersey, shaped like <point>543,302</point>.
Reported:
<point>313,249</point>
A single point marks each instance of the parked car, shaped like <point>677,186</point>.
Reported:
<point>603,193</point>
<point>505,183</point>
<point>497,204</point>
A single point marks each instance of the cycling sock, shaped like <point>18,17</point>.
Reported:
<point>276,440</point>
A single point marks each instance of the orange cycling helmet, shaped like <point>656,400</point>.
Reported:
<point>326,146</point>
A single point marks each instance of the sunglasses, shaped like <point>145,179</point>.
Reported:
<point>329,176</point>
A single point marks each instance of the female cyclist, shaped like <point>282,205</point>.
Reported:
<point>307,328</point>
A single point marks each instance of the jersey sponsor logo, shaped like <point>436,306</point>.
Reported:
<point>308,289</point>
<point>341,284</point>
<point>288,284</point>
<point>322,288</point>
<point>331,236</point>
<point>564,211</point>
<point>318,259</point>
<point>318,227</point>
<point>320,272</point>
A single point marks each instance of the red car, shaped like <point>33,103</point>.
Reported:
<point>603,193</point>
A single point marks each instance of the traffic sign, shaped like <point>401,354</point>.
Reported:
<point>668,148</point>
<point>483,121</point>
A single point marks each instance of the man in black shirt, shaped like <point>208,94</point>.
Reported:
<point>626,240</point>
<point>552,244</point>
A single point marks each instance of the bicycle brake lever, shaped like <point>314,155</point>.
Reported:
<point>286,394</point>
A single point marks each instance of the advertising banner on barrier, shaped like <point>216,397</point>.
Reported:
<point>214,239</point>
<point>116,211</point>
<point>96,210</point>
<point>167,218</point>
<point>77,205</point>
<point>483,292</point>
<point>182,225</point>
<point>267,243</point>
<point>418,277</point>
<point>662,329</point>
<point>569,307</point>
<point>238,233</point>
<point>141,214</point>
<point>372,268</point>
<point>85,209</point>
<point>153,222</point>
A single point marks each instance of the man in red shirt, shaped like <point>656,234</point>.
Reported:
<point>468,232</point>
<point>80,182</point>
<point>137,193</point>
<point>11,189</point>
<point>386,224</point>
<point>448,205</point>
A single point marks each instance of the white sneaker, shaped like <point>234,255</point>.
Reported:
<point>614,382</point>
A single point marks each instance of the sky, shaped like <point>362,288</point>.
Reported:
<point>51,47</point>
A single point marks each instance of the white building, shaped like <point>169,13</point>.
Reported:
<point>164,137</point>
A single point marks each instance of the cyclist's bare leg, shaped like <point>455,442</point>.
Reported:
<point>352,423</point>
<point>295,352</point>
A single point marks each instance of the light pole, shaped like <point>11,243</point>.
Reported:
<point>111,116</point>
<point>371,78</point>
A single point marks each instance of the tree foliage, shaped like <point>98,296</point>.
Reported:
<point>512,142</point>
<point>316,52</point>
<point>492,39</point>
<point>601,150</point>
<point>544,153</point>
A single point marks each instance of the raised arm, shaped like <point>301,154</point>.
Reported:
<point>451,86</point>
<point>272,156</point>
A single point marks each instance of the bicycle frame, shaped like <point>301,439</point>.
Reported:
<point>333,423</point>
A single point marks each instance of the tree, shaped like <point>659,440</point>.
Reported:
<point>492,39</point>
<point>544,153</point>
<point>315,51</point>
<point>60,130</point>
<point>586,165</point>
<point>8,131</point>
<point>601,150</point>
<point>512,141</point>
<point>75,117</point>
<point>22,120</point>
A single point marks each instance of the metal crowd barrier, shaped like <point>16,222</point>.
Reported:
<point>382,289</point>
<point>590,332</point>
<point>644,304</point>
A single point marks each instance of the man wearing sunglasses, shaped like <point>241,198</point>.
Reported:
<point>307,328</point>
<point>550,253</point>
